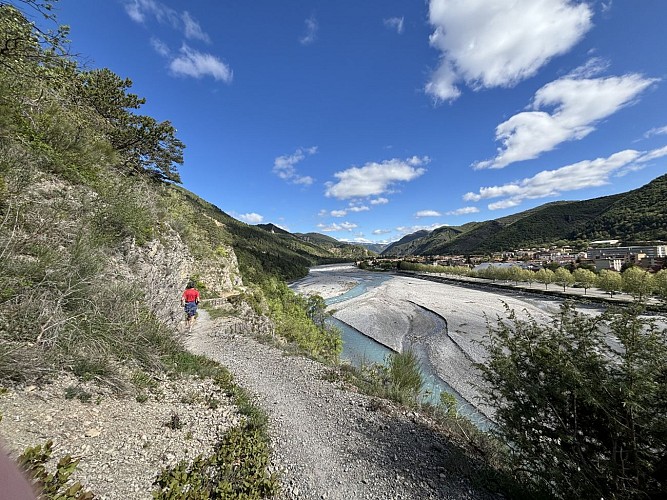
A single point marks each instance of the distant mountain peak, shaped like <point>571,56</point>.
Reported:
<point>272,228</point>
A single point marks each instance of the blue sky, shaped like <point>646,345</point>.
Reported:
<point>367,120</point>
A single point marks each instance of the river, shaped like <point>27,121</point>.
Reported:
<point>341,284</point>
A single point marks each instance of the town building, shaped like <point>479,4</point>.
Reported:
<point>627,253</point>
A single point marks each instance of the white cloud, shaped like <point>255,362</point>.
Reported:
<point>334,227</point>
<point>160,47</point>
<point>357,239</point>
<point>581,175</point>
<point>251,218</point>
<point>311,31</point>
<point>305,180</point>
<point>395,23</point>
<point>656,131</point>
<point>197,64</point>
<point>578,104</point>
<point>379,201</point>
<point>192,29</point>
<point>653,154</point>
<point>427,213</point>
<point>358,208</point>
<point>284,166</point>
<point>338,213</point>
<point>140,10</point>
<point>403,230</point>
<point>135,12</point>
<point>496,43</point>
<point>463,211</point>
<point>188,62</point>
<point>374,178</point>
<point>593,67</point>
<point>382,231</point>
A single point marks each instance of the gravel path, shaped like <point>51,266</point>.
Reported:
<point>328,442</point>
<point>335,444</point>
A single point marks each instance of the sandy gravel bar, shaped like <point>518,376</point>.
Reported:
<point>391,314</point>
<point>329,281</point>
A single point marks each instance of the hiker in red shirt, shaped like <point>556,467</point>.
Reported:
<point>189,300</point>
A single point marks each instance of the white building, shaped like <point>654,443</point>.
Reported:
<point>627,253</point>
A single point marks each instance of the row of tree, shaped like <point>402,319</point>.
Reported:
<point>634,280</point>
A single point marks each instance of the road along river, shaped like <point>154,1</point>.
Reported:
<point>442,323</point>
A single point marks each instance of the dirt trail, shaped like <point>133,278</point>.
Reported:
<point>331,443</point>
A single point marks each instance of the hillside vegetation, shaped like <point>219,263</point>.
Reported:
<point>97,238</point>
<point>635,216</point>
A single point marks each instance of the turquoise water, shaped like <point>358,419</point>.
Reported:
<point>366,283</point>
<point>359,349</point>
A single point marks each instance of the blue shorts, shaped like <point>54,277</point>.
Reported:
<point>190,308</point>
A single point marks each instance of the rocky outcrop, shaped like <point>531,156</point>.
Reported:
<point>162,268</point>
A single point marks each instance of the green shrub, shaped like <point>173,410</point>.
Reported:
<point>582,402</point>
<point>294,321</point>
<point>236,469</point>
<point>404,371</point>
<point>79,393</point>
<point>52,485</point>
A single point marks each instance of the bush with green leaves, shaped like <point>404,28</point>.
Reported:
<point>585,278</point>
<point>661,284</point>
<point>399,379</point>
<point>52,485</point>
<point>405,376</point>
<point>563,277</point>
<point>638,282</point>
<point>237,468</point>
<point>301,320</point>
<point>609,281</point>
<point>582,402</point>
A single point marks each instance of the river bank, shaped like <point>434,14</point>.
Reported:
<point>404,312</point>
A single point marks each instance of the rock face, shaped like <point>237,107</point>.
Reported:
<point>162,268</point>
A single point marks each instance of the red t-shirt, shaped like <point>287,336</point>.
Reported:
<point>191,295</point>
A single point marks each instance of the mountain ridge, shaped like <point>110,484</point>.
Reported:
<point>636,215</point>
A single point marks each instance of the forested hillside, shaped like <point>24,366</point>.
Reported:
<point>97,238</point>
<point>640,215</point>
<point>406,245</point>
<point>635,216</point>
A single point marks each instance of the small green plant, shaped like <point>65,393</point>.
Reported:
<point>185,363</point>
<point>174,422</point>
<point>142,397</point>
<point>143,380</point>
<point>212,402</point>
<point>190,398</point>
<point>219,312</point>
<point>89,369</point>
<point>52,485</point>
<point>405,375</point>
<point>77,392</point>
<point>448,405</point>
<point>236,469</point>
